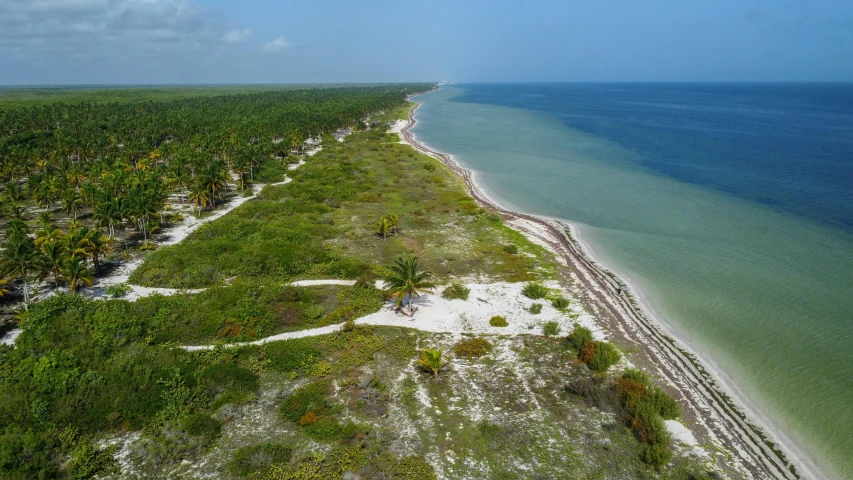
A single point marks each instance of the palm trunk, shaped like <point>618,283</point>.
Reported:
<point>26,292</point>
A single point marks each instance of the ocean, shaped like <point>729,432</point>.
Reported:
<point>727,207</point>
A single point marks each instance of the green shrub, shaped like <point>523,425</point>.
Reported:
<point>289,355</point>
<point>551,329</point>
<point>560,303</point>
<point>414,468</point>
<point>535,309</point>
<point>88,460</point>
<point>223,377</point>
<point>635,376</point>
<point>498,321</point>
<point>535,291</point>
<point>663,403</point>
<point>118,290</point>
<point>656,455</point>
<point>258,458</point>
<point>324,429</point>
<point>473,347</point>
<point>201,425</point>
<point>605,356</point>
<point>456,291</point>
<point>303,401</point>
<point>579,337</point>
<point>511,249</point>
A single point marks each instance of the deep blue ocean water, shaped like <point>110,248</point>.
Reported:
<point>728,208</point>
<point>786,145</point>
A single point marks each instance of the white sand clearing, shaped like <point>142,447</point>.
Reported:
<point>436,314</point>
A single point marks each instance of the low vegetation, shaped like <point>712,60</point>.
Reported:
<point>472,347</point>
<point>498,321</point>
<point>321,225</point>
<point>551,329</point>
<point>456,291</point>
<point>535,291</point>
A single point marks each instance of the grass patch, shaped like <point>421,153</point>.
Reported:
<point>472,347</point>
<point>551,329</point>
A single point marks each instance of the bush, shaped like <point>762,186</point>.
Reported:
<point>663,403</point>
<point>201,425</point>
<point>258,458</point>
<point>535,291</point>
<point>605,356</point>
<point>511,249</point>
<point>551,329</point>
<point>535,309</point>
<point>473,348</point>
<point>579,337</point>
<point>636,376</point>
<point>88,460</point>
<point>117,291</point>
<point>456,291</point>
<point>289,355</point>
<point>324,429</point>
<point>224,377</point>
<point>310,398</point>
<point>656,455</point>
<point>560,303</point>
<point>498,321</point>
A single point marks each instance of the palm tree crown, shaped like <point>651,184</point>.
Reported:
<point>406,280</point>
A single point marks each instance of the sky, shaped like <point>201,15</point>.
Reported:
<point>51,42</point>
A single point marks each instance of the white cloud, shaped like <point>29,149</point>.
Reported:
<point>237,36</point>
<point>276,45</point>
<point>46,30</point>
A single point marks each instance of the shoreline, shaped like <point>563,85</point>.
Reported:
<point>706,394</point>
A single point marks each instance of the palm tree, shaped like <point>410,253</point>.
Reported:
<point>393,220</point>
<point>75,272</point>
<point>54,256</point>
<point>77,241</point>
<point>48,232</point>
<point>383,227</point>
<point>199,196</point>
<point>72,202</point>
<point>431,360</point>
<point>18,259</point>
<point>406,280</point>
<point>97,245</point>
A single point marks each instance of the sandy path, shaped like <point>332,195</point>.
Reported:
<point>720,419</point>
<point>439,315</point>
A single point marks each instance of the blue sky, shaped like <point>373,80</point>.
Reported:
<point>265,41</point>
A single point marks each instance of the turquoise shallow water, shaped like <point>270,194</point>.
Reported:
<point>764,293</point>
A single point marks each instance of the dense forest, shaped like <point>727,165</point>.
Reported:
<point>73,177</point>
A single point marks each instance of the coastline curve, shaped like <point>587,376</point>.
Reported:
<point>724,420</point>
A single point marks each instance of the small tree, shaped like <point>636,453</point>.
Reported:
<point>393,219</point>
<point>383,228</point>
<point>76,273</point>
<point>431,360</point>
<point>406,280</point>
